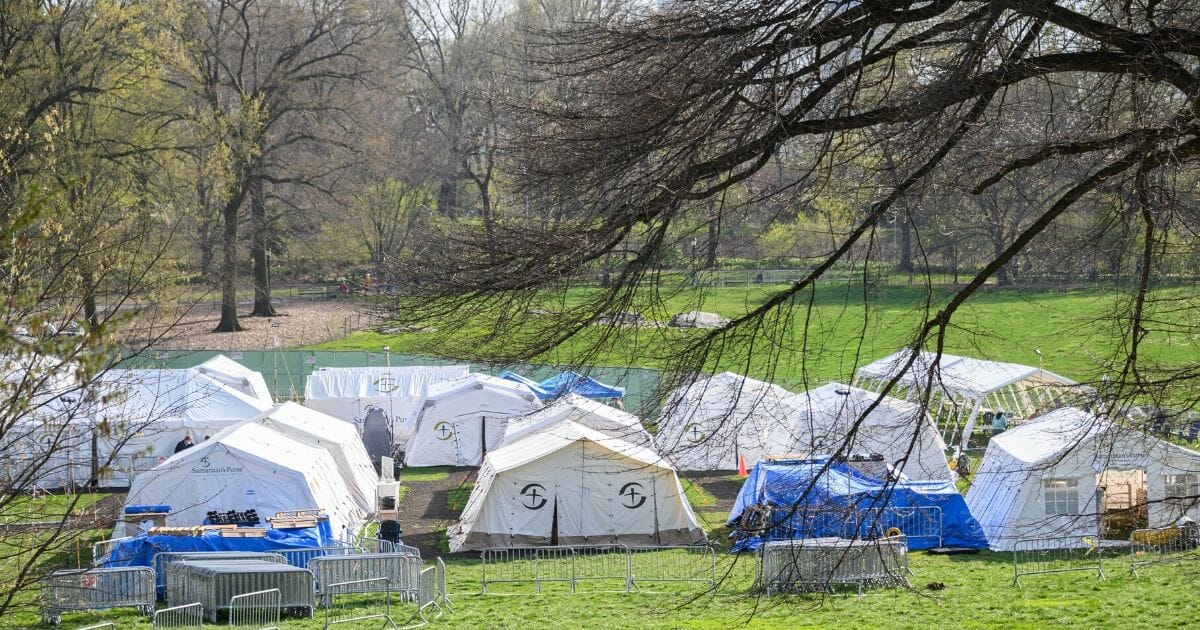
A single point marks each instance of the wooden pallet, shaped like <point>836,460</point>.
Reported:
<point>285,523</point>
<point>244,532</point>
<point>191,530</point>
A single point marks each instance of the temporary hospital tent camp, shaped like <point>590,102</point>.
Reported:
<point>377,400</point>
<point>964,392</point>
<point>338,438</point>
<point>711,423</point>
<point>590,413</point>
<point>46,444</point>
<point>898,430</point>
<point>813,498</point>
<point>575,486</point>
<point>1048,479</point>
<point>458,421</point>
<point>249,466</point>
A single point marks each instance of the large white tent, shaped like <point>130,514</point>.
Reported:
<point>337,438</point>
<point>458,421</point>
<point>235,375</point>
<point>898,430</point>
<point>47,443</point>
<point>249,466</point>
<point>963,390</point>
<point>364,395</point>
<point>575,486</point>
<point>590,413</point>
<point>1040,480</point>
<point>711,423</point>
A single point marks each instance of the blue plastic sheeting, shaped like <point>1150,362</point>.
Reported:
<point>140,551</point>
<point>800,488</point>
<point>530,383</point>
<point>146,509</point>
<point>574,383</point>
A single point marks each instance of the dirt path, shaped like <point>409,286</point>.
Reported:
<point>424,510</point>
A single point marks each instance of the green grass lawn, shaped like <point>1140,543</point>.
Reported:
<point>696,494</point>
<point>425,473</point>
<point>46,507</point>
<point>1074,330</point>
<point>457,498</point>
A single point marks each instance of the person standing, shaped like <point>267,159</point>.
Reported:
<point>184,444</point>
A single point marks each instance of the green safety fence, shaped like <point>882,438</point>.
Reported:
<point>287,370</point>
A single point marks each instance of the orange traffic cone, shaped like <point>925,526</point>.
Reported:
<point>742,466</point>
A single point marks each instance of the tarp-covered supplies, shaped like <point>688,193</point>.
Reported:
<point>819,498</point>
<point>575,486</point>
<point>567,382</point>
<point>140,550</point>
<point>458,421</point>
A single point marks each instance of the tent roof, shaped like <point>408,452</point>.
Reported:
<point>729,393</point>
<point>378,382</point>
<point>1051,435</point>
<point>542,443</point>
<point>963,376</point>
<point>570,382</point>
<point>188,394</point>
<point>438,392</point>
<point>233,374</point>
<point>575,408</point>
<point>533,385</point>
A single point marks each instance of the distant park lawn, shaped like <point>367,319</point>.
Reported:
<point>1074,330</point>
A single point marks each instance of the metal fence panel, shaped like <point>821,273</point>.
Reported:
<point>300,557</point>
<point>1034,556</point>
<point>162,564</point>
<point>215,583</point>
<point>360,600</point>
<point>821,564</point>
<point>427,593</point>
<point>102,550</point>
<point>401,570</point>
<point>259,610</point>
<point>185,616</point>
<point>696,564</point>
<point>443,594</point>
<point>527,565</point>
<point>923,522</point>
<point>600,568</point>
<point>97,589</point>
<point>1161,546</point>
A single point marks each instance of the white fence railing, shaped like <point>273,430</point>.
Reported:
<point>598,568</point>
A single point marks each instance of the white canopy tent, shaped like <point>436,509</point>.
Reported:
<point>249,466</point>
<point>898,430</point>
<point>458,421</point>
<point>1041,479</point>
<point>355,394</point>
<point>962,391</point>
<point>47,443</point>
<point>592,414</point>
<point>711,423</point>
<point>337,438</point>
<point>575,486</point>
<point>235,375</point>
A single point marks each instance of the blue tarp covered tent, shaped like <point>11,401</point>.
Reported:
<point>140,550</point>
<point>801,501</point>
<point>567,383</point>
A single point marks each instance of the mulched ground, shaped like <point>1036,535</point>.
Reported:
<point>424,512</point>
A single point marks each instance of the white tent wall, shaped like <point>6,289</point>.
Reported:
<point>1070,447</point>
<point>248,466</point>
<point>898,430</point>
<point>457,421</point>
<point>710,423</point>
<point>602,490</point>
<point>349,394</point>
<point>337,438</point>
<point>236,376</point>
<point>576,409</point>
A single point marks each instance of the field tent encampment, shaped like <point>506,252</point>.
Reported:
<point>712,422</point>
<point>458,421</point>
<point>575,486</point>
<point>337,438</point>
<point>590,413</point>
<point>788,499</point>
<point>1049,479</point>
<point>900,431</point>
<point>249,466</point>
<point>375,398</point>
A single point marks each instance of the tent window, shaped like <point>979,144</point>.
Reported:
<point>1061,495</point>
<point>1183,489</point>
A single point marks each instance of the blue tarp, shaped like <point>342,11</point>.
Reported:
<point>567,383</point>
<point>803,504</point>
<point>140,550</point>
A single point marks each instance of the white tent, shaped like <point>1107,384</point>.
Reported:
<point>458,421</point>
<point>249,466</point>
<point>710,423</point>
<point>964,391</point>
<point>354,394</point>
<point>590,413</point>
<point>1041,479</point>
<point>337,438</point>
<point>575,486</point>
<point>898,430</point>
<point>235,375</point>
<point>47,444</point>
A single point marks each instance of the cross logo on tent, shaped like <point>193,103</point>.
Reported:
<point>694,433</point>
<point>387,384</point>
<point>204,463</point>
<point>634,497</point>
<point>534,500</point>
<point>443,431</point>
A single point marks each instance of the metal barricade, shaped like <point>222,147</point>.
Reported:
<point>694,564</point>
<point>443,594</point>
<point>102,550</point>
<point>259,610</point>
<point>600,568</point>
<point>185,616</point>
<point>1161,546</point>
<point>162,561</point>
<point>97,589</point>
<point>300,557</point>
<point>427,593</point>
<point>359,600</point>
<point>402,571</point>
<point>215,583</point>
<point>822,564</point>
<point>1034,556</point>
<point>923,522</point>
<point>527,565</point>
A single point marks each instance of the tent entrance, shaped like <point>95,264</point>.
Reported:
<point>554,525</point>
<point>1121,502</point>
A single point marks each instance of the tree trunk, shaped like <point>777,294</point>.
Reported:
<point>229,270</point>
<point>714,236</point>
<point>90,312</point>
<point>258,252</point>
<point>447,200</point>
<point>906,256</point>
